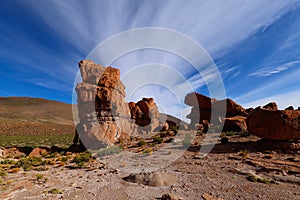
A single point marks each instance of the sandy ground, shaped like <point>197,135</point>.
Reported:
<point>222,174</point>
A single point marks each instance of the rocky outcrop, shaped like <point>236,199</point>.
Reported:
<point>289,108</point>
<point>104,114</point>
<point>271,106</point>
<point>236,124</point>
<point>202,110</point>
<point>232,108</point>
<point>145,113</point>
<point>274,124</point>
<point>201,107</point>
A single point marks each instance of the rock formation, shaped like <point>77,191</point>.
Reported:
<point>202,110</point>
<point>201,107</point>
<point>145,113</point>
<point>274,124</point>
<point>104,114</point>
<point>232,108</point>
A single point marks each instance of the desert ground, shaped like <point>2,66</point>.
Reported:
<point>244,167</point>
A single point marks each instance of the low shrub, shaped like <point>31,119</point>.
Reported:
<point>174,129</point>
<point>54,191</point>
<point>147,151</point>
<point>109,151</point>
<point>224,140</point>
<point>7,162</point>
<point>82,158</point>
<point>3,173</point>
<point>158,139</point>
<point>245,134</point>
<point>142,142</point>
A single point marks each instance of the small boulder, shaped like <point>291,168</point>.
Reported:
<point>38,152</point>
<point>171,197</point>
<point>155,179</point>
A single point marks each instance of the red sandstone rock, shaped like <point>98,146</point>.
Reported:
<point>37,152</point>
<point>202,108</point>
<point>236,124</point>
<point>232,108</point>
<point>271,106</point>
<point>274,125</point>
<point>145,113</point>
<point>104,114</point>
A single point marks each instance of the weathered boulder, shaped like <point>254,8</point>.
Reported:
<point>271,106</point>
<point>155,179</point>
<point>274,124</point>
<point>236,124</point>
<point>38,152</point>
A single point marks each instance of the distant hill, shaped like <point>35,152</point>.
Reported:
<point>25,115</point>
<point>35,109</point>
<point>164,117</point>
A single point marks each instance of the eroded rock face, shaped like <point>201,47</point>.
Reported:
<point>145,113</point>
<point>236,124</point>
<point>202,108</point>
<point>232,108</point>
<point>274,124</point>
<point>104,114</point>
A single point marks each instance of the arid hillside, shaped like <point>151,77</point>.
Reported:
<point>24,115</point>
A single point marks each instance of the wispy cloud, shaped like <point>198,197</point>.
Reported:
<point>288,83</point>
<point>268,71</point>
<point>57,34</point>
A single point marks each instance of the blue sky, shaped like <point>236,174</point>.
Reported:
<point>254,43</point>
